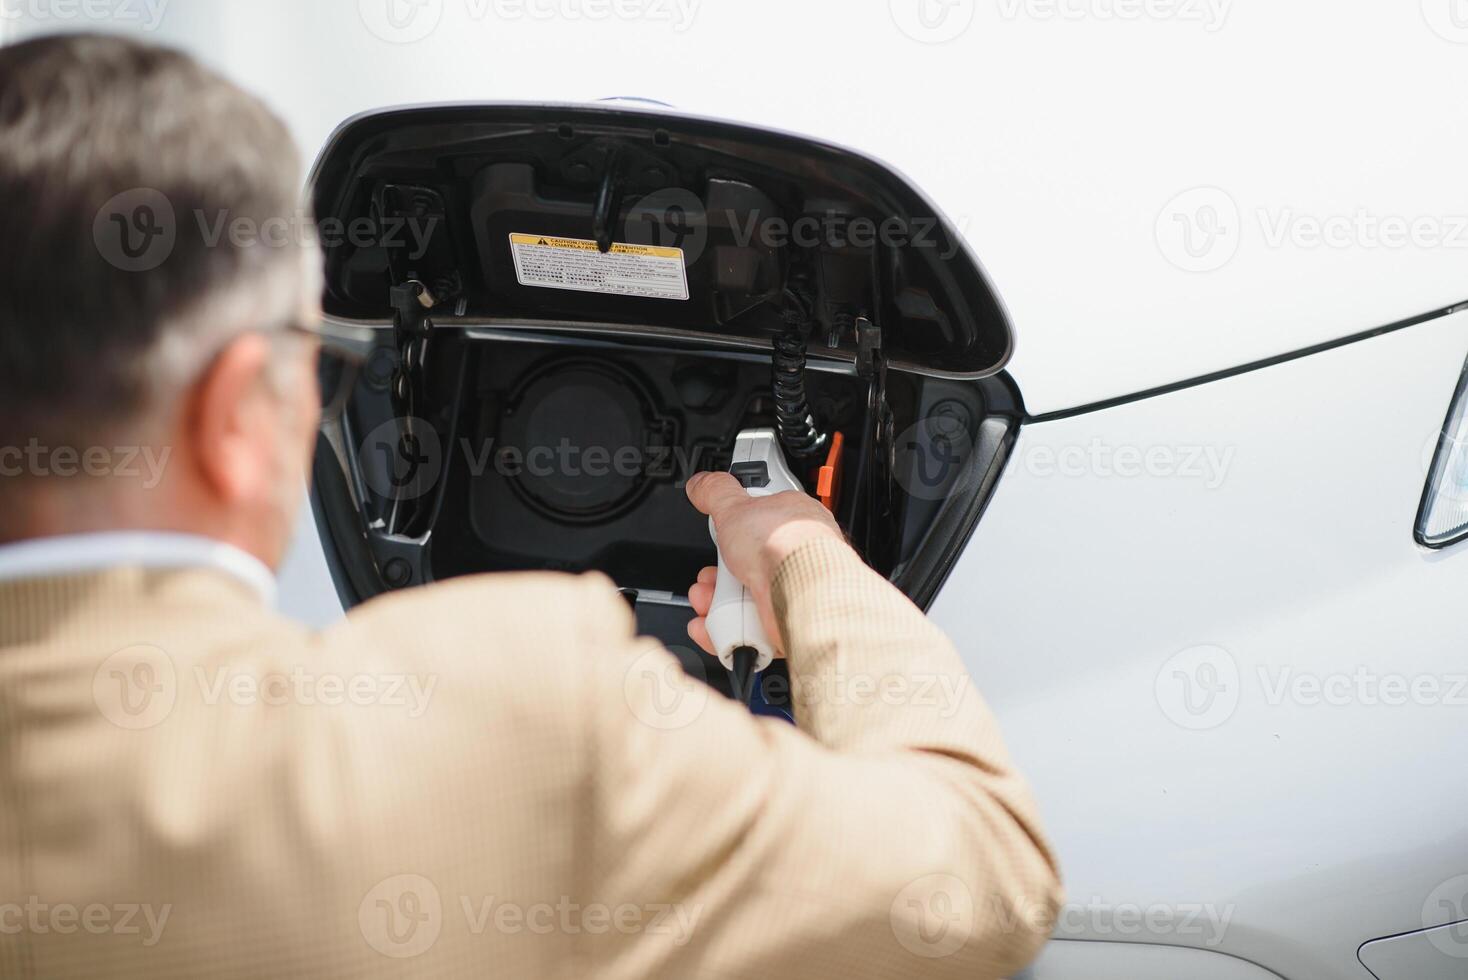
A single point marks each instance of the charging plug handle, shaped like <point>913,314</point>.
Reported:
<point>733,621</point>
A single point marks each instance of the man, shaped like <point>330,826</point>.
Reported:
<point>488,777</point>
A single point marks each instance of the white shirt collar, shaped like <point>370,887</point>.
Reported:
<point>81,553</point>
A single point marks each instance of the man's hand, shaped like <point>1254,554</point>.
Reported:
<point>756,534</point>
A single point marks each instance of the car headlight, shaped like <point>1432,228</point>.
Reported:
<point>1443,517</point>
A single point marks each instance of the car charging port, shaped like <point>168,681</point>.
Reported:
<point>582,308</point>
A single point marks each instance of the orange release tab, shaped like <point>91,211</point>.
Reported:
<point>828,483</point>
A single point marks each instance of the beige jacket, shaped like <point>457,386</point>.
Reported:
<point>492,778</point>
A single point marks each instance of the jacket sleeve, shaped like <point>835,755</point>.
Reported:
<point>887,836</point>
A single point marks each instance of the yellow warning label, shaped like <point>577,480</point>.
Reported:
<point>648,271</point>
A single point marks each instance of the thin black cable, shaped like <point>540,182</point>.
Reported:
<point>743,673</point>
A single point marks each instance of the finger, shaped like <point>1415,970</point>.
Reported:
<point>698,632</point>
<point>772,630</point>
<point>713,493</point>
<point>708,575</point>
<point>701,597</point>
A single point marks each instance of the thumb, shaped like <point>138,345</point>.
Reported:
<point>714,493</point>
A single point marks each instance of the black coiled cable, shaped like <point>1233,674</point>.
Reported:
<point>795,422</point>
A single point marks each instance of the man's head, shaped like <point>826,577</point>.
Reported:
<point>153,260</point>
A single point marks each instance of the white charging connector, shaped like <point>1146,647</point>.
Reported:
<point>733,621</point>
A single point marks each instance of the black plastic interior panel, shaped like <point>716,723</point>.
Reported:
<point>445,187</point>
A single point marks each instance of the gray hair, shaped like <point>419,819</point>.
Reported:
<point>118,163</point>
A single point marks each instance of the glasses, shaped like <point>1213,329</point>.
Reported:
<point>344,349</point>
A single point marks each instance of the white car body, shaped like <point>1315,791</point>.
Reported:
<point>1195,601</point>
